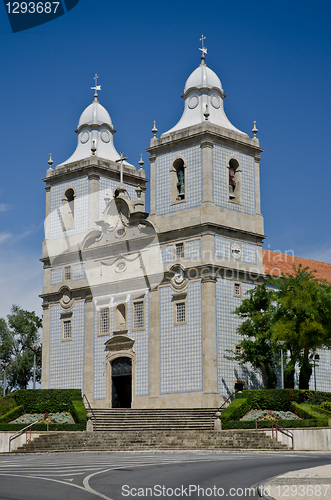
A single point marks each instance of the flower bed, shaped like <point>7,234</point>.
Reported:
<point>269,415</point>
<point>57,418</point>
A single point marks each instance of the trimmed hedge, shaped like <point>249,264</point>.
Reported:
<point>303,412</point>
<point>302,403</point>
<point>11,415</point>
<point>237,409</point>
<point>263,424</point>
<point>326,405</point>
<point>46,401</point>
<point>7,404</point>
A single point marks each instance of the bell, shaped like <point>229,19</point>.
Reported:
<point>231,192</point>
<point>181,188</point>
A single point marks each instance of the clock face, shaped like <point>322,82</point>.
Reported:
<point>236,251</point>
<point>179,276</point>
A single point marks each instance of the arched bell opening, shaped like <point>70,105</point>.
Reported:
<point>121,374</point>
<point>180,172</point>
<point>234,181</point>
<point>68,209</point>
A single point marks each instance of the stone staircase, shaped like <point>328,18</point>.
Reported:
<point>170,419</point>
<point>159,429</point>
<point>144,440</point>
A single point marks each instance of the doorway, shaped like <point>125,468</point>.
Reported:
<point>121,373</point>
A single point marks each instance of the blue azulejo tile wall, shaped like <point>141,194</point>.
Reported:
<point>193,180</point>
<point>193,249</point>
<point>226,338</point>
<point>100,353</point>
<point>222,250</point>
<point>56,275</point>
<point>140,348</point>
<point>80,187</point>
<point>66,357</point>
<point>221,157</point>
<point>181,353</point>
<point>107,188</point>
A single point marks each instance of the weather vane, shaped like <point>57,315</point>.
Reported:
<point>96,87</point>
<point>203,49</point>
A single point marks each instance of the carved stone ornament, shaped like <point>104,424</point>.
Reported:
<point>66,300</point>
<point>178,281</point>
<point>120,343</point>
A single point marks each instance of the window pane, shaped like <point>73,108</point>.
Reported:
<point>104,320</point>
<point>180,310</point>
<point>67,329</point>
<point>180,250</point>
<point>67,273</point>
<point>138,314</point>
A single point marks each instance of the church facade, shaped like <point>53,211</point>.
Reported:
<point>138,307</point>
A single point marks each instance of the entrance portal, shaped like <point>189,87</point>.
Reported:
<point>121,373</point>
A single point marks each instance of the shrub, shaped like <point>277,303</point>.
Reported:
<point>7,404</point>
<point>237,409</point>
<point>11,415</point>
<point>50,401</point>
<point>326,405</point>
<point>274,399</point>
<point>265,424</point>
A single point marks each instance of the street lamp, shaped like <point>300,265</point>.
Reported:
<point>4,365</point>
<point>314,358</point>
<point>34,349</point>
<point>281,344</point>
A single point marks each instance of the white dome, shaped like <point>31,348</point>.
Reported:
<point>95,130</point>
<point>203,77</point>
<point>203,95</point>
<point>95,114</point>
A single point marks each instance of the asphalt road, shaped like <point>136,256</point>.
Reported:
<point>117,476</point>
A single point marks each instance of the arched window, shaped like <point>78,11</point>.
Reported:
<point>234,184</point>
<point>180,172</point>
<point>68,211</point>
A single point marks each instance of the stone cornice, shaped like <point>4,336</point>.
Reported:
<point>197,132</point>
<point>95,166</point>
<point>206,227</point>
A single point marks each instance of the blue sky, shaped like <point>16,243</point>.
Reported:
<point>273,59</point>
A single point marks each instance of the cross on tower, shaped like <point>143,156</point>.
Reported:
<point>203,49</point>
<point>120,160</point>
<point>96,87</point>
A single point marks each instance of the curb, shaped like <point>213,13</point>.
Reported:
<point>261,488</point>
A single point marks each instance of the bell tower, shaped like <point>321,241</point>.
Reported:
<point>205,206</point>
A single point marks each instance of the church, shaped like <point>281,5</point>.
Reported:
<point>138,307</point>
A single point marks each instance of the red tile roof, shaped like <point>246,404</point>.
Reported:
<point>275,263</point>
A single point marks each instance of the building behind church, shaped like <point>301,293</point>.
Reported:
<point>138,307</point>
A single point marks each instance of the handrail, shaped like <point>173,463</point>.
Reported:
<point>284,431</point>
<point>19,433</point>
<point>224,402</point>
<point>91,410</point>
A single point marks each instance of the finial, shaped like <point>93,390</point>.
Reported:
<point>93,148</point>
<point>206,113</point>
<point>50,161</point>
<point>254,130</point>
<point>203,49</point>
<point>106,198</point>
<point>154,130</point>
<point>141,162</point>
<point>96,87</point>
<point>120,160</point>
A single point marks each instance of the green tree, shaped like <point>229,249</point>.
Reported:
<point>17,336</point>
<point>256,346</point>
<point>302,319</point>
